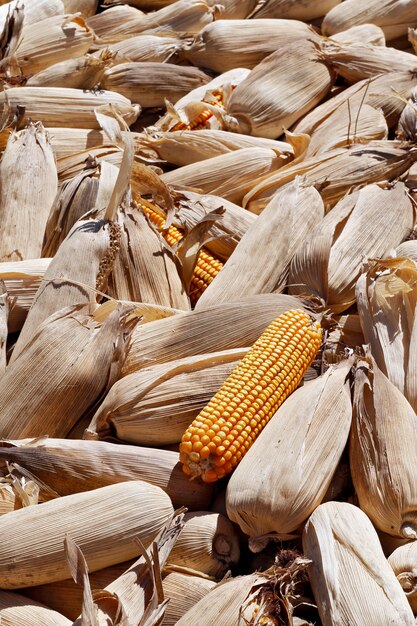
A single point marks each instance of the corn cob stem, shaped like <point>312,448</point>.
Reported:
<point>225,429</point>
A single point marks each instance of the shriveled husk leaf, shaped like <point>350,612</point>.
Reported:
<point>103,522</point>
<point>407,249</point>
<point>70,467</point>
<point>362,225</point>
<point>364,33</point>
<point>34,11</point>
<point>261,260</point>
<point>86,7</point>
<point>18,610</point>
<point>279,91</point>
<point>336,172</point>
<point>351,122</point>
<point>294,10</point>
<point>346,335</point>
<point>151,83</point>
<point>231,175</point>
<point>22,280</point>
<point>208,543</point>
<point>383,452</point>
<point>404,563</point>
<point>222,327</point>
<point>394,18</point>
<point>407,125</point>
<point>147,48</point>
<point>28,182</point>
<point>83,72</point>
<point>56,378</point>
<point>227,44</point>
<point>52,40</point>
<point>352,582</point>
<point>359,61</point>
<point>183,592</point>
<point>184,147</point>
<point>60,106</point>
<point>155,405</point>
<point>387,296</point>
<point>75,164</point>
<point>286,472</point>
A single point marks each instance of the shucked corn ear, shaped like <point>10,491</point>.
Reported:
<point>224,431</point>
<point>352,582</point>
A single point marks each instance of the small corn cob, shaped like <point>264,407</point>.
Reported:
<point>207,266</point>
<point>225,429</point>
<point>201,120</point>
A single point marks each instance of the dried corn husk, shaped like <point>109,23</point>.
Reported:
<point>223,327</point>
<point>407,125</point>
<point>336,172</point>
<point>183,592</point>
<point>73,466</point>
<point>34,11</point>
<point>362,225</point>
<point>56,379</point>
<point>392,17</point>
<point>83,72</point>
<point>407,249</point>
<point>55,106</point>
<point>347,335</point>
<point>383,445</point>
<point>227,44</point>
<point>75,164</point>
<point>285,474</point>
<point>294,10</point>
<point>70,141</point>
<point>233,9</point>
<point>386,296</point>
<point>147,48</point>
<point>22,280</point>
<point>359,61</point>
<point>230,175</point>
<point>364,33</point>
<point>352,582</point>
<point>261,260</point>
<point>155,405</point>
<point>52,40</point>
<point>86,7</point>
<point>18,610</point>
<point>28,182</point>
<point>404,563</point>
<point>150,84</point>
<point>105,23</point>
<point>279,91</point>
<point>103,522</point>
<point>208,543</point>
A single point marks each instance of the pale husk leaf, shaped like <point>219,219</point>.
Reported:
<point>147,48</point>
<point>34,11</point>
<point>406,249</point>
<point>404,563</point>
<point>292,9</point>
<point>18,610</point>
<point>363,33</point>
<point>184,592</point>
<point>85,7</point>
<point>83,72</point>
<point>69,141</point>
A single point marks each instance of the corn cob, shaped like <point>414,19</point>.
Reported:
<point>207,267</point>
<point>202,119</point>
<point>225,429</point>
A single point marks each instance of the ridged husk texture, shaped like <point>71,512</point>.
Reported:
<point>294,10</point>
<point>184,592</point>
<point>147,48</point>
<point>17,610</point>
<point>83,72</point>
<point>363,33</point>
<point>404,563</point>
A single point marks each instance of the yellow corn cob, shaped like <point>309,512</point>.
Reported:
<point>201,120</point>
<point>225,429</point>
<point>207,266</point>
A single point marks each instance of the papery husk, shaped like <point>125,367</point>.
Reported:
<point>103,522</point>
<point>346,336</point>
<point>147,48</point>
<point>412,37</point>
<point>233,9</point>
<point>386,296</point>
<point>75,164</point>
<point>69,141</point>
<point>407,125</point>
<point>83,72</point>
<point>359,61</point>
<point>382,444</point>
<point>18,610</point>
<point>183,592</point>
<point>279,91</point>
<point>393,18</point>
<point>60,106</point>
<point>34,11</point>
<point>404,563</point>
<point>85,7</point>
<point>52,40</point>
<point>184,147</point>
<point>364,33</point>
<point>150,84</point>
<point>28,182</point>
<point>286,472</point>
<point>362,225</point>
<point>261,260</point>
<point>155,405</point>
<point>407,249</point>
<point>222,327</point>
<point>56,378</point>
<point>352,582</point>
<point>4,316</point>
<point>231,175</point>
<point>336,172</point>
<point>208,543</point>
<point>227,44</point>
<point>103,24</point>
<point>294,10</point>
<point>70,467</point>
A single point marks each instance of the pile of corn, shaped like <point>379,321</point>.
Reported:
<point>208,322</point>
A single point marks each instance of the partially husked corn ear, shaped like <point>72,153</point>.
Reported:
<point>202,119</point>
<point>224,431</point>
